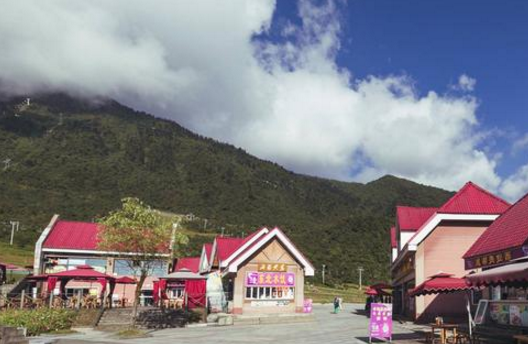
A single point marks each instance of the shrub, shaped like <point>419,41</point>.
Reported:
<point>38,321</point>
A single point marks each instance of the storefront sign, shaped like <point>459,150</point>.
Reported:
<point>269,303</point>
<point>270,279</point>
<point>380,326</point>
<point>176,285</point>
<point>494,258</point>
<point>272,267</point>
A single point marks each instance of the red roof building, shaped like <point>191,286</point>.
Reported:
<point>504,240</point>
<point>261,268</point>
<point>188,263</point>
<point>435,240</point>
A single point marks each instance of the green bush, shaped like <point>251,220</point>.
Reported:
<point>38,321</point>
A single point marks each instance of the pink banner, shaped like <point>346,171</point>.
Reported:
<point>270,279</point>
<point>380,326</point>
<point>308,305</point>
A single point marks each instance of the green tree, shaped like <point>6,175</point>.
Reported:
<point>141,235</point>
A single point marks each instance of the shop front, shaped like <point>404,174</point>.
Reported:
<point>267,277</point>
<point>498,264</point>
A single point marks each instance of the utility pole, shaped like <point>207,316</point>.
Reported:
<point>324,267</point>
<point>360,269</point>
<point>7,163</point>
<point>14,226</point>
<point>205,224</point>
<point>223,229</point>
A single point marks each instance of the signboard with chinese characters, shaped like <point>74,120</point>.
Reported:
<point>270,279</point>
<point>272,267</point>
<point>495,258</point>
<point>380,326</point>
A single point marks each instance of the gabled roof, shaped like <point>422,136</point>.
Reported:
<point>510,230</point>
<point>472,199</point>
<point>188,263</point>
<point>225,246</point>
<point>470,203</point>
<point>72,235</point>
<point>266,238</point>
<point>394,242</point>
<point>412,218</point>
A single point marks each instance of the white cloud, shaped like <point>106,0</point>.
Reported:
<point>520,144</point>
<point>465,84</point>
<point>200,64</point>
<point>515,186</point>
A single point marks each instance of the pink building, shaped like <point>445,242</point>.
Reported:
<point>431,240</point>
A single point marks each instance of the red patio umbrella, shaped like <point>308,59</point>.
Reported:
<point>443,283</point>
<point>376,292</point>
<point>440,283</point>
<point>125,280</point>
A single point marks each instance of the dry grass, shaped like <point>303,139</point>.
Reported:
<point>15,255</point>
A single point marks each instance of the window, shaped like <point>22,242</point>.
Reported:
<point>122,267</point>
<point>177,293</point>
<point>270,293</point>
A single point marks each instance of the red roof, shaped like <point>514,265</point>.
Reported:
<point>472,199</point>
<point>189,263</point>
<point>394,242</point>
<point>126,280</point>
<point>440,283</point>
<point>225,247</point>
<point>509,230</point>
<point>412,218</point>
<point>72,235</point>
<point>208,248</point>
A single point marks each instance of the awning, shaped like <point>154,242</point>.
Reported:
<point>440,283</point>
<point>507,274</point>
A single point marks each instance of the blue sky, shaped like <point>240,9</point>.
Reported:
<point>434,42</point>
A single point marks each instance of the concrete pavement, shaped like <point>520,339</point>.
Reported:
<point>345,327</point>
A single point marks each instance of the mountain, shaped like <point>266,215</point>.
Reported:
<point>78,158</point>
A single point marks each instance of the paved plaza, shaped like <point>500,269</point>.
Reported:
<point>346,327</point>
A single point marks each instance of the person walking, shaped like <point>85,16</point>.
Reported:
<point>336,305</point>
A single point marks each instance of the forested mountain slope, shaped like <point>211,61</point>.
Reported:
<point>78,158</point>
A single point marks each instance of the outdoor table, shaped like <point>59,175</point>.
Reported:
<point>521,338</point>
<point>443,330</point>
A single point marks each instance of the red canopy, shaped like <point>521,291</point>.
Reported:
<point>82,272</point>
<point>510,274</point>
<point>440,283</point>
<point>126,280</point>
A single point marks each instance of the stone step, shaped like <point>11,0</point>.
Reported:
<point>273,319</point>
